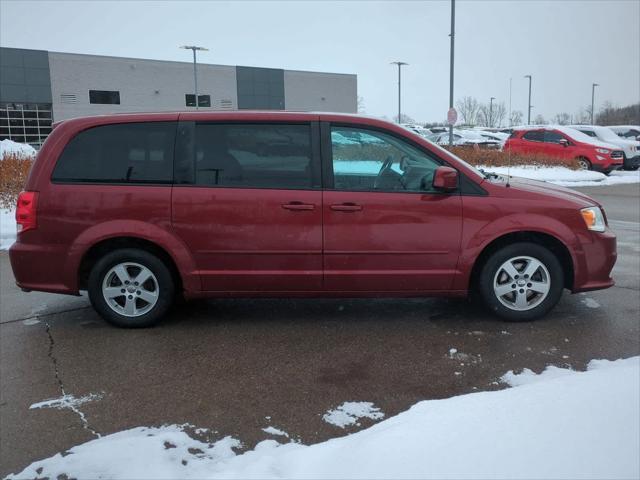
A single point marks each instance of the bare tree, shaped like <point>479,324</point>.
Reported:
<point>404,119</point>
<point>562,118</point>
<point>468,108</point>
<point>361,108</point>
<point>612,115</point>
<point>491,115</point>
<point>583,117</point>
<point>539,120</point>
<point>515,118</point>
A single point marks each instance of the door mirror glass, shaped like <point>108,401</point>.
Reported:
<point>564,142</point>
<point>445,178</point>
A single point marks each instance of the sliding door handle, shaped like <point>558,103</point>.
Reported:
<point>298,206</point>
<point>346,207</point>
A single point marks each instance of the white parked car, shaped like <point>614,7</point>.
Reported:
<point>630,147</point>
<point>629,132</point>
<point>419,129</point>
<point>465,138</point>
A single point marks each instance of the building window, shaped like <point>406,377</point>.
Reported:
<point>203,100</point>
<point>106,97</point>
<point>25,123</point>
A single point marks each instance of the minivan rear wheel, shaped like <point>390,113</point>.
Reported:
<point>131,288</point>
<point>521,282</point>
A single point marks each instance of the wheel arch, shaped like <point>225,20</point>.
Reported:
<point>101,248</point>
<point>130,233</point>
<point>553,244</point>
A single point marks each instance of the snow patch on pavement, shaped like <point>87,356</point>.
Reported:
<point>275,431</point>
<point>559,424</point>
<point>66,401</point>
<point>350,412</point>
<point>7,228</point>
<point>590,302</point>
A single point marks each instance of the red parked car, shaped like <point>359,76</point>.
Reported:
<point>566,143</point>
<point>137,209</point>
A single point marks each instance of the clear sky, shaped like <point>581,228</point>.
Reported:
<point>565,45</point>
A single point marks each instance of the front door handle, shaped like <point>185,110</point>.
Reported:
<point>298,206</point>
<point>346,207</point>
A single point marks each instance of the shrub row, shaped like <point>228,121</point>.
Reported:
<point>497,158</point>
<point>14,169</point>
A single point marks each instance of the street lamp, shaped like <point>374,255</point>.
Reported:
<point>491,111</point>
<point>593,96</point>
<point>399,64</point>
<point>452,37</point>
<point>195,73</point>
<point>529,107</point>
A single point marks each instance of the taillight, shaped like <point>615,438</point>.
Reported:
<point>26,211</point>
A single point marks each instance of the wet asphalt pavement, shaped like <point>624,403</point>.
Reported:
<point>237,366</point>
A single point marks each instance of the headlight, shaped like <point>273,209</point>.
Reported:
<point>602,150</point>
<point>594,218</point>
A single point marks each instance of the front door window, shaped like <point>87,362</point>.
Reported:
<point>368,160</point>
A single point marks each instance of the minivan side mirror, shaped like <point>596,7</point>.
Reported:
<point>445,178</point>
<point>564,142</point>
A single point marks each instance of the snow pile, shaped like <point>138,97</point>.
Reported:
<point>560,424</point>
<point>349,412</point>
<point>7,228</point>
<point>567,177</point>
<point>20,149</point>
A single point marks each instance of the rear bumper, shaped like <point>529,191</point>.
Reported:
<point>594,269</point>
<point>41,268</point>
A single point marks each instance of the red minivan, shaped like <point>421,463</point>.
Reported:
<point>568,144</point>
<point>139,208</point>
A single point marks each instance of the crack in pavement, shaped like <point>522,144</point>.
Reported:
<point>73,408</point>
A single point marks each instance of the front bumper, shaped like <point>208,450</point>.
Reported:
<point>632,162</point>
<point>593,271</point>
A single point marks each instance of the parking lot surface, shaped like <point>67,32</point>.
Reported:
<point>238,366</point>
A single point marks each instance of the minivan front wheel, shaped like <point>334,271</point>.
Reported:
<point>131,288</point>
<point>521,282</point>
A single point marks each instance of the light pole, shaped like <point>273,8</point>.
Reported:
<point>399,64</point>
<point>491,111</point>
<point>451,58</point>
<point>529,107</point>
<point>195,72</point>
<point>593,96</point>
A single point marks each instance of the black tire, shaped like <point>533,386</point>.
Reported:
<point>163,288</point>
<point>493,267</point>
<point>584,161</point>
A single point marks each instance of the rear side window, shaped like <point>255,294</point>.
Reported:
<point>534,136</point>
<point>250,156</point>
<point>552,137</point>
<point>119,153</point>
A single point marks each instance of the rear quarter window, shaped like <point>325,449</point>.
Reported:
<point>119,153</point>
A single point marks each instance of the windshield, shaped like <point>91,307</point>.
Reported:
<point>607,134</point>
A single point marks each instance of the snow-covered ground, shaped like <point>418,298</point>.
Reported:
<point>559,424</point>
<point>22,149</point>
<point>7,228</point>
<point>567,177</point>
